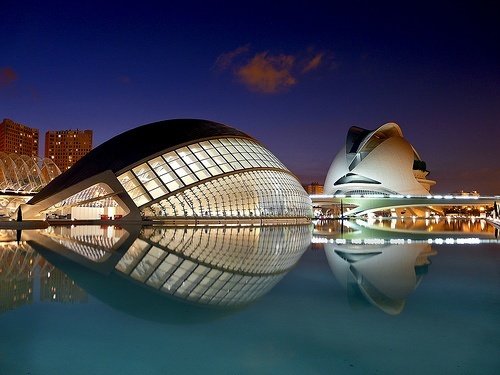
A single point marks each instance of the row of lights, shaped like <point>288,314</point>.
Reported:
<point>398,241</point>
<point>397,196</point>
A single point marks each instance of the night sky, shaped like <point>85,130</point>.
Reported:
<point>294,75</point>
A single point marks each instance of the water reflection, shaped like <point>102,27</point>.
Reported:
<point>380,275</point>
<point>17,262</point>
<point>147,271</point>
<point>380,262</point>
<point>426,230</point>
<point>23,270</point>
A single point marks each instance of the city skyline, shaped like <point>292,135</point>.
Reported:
<point>295,77</point>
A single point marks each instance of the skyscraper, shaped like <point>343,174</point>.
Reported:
<point>19,139</point>
<point>66,147</point>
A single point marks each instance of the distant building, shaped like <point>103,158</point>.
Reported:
<point>66,147</point>
<point>463,193</point>
<point>18,139</point>
<point>314,188</point>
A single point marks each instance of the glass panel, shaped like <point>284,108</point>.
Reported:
<point>168,177</point>
<point>142,171</point>
<point>195,148</point>
<point>226,168</point>
<point>207,163</point>
<point>156,193</point>
<point>152,184</point>
<point>213,152</point>
<point>202,155</point>
<point>203,174</point>
<point>219,160</point>
<point>136,191</point>
<point>189,179</point>
<point>174,185</point>
<point>196,166</point>
<point>214,170</point>
<point>128,181</point>
<point>143,199</point>
<point>186,155</point>
<point>182,171</point>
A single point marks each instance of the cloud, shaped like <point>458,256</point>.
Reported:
<point>225,60</point>
<point>313,63</point>
<point>7,76</point>
<point>269,73</point>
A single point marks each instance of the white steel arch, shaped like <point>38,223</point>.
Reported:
<point>25,174</point>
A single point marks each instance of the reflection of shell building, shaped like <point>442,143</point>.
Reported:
<point>378,162</point>
<point>175,168</point>
<point>380,275</point>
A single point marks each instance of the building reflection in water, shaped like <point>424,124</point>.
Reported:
<point>147,271</point>
<point>17,263</point>
<point>381,275</point>
<point>21,266</point>
<point>380,262</point>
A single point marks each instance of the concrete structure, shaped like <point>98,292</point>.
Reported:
<point>66,147</point>
<point>18,139</point>
<point>360,205</point>
<point>377,162</point>
<point>176,169</point>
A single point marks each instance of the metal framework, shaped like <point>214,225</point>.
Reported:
<point>25,174</point>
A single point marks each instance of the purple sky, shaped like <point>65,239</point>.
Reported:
<point>294,75</point>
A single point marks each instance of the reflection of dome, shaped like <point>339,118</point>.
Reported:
<point>377,162</point>
<point>24,173</point>
<point>176,168</point>
<point>215,266</point>
<point>382,275</point>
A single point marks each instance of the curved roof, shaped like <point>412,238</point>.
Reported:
<point>379,160</point>
<point>134,145</point>
<point>25,174</point>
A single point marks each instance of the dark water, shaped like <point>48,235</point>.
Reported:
<point>246,300</point>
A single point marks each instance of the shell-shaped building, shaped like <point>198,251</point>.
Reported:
<point>185,168</point>
<point>377,162</point>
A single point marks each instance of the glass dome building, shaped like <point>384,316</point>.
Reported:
<point>185,168</point>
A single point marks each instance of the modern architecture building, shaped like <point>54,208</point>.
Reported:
<point>66,147</point>
<point>18,139</point>
<point>183,168</point>
<point>377,162</point>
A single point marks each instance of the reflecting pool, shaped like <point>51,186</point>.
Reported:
<point>355,297</point>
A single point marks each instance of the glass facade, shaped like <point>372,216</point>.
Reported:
<point>203,171</point>
<point>228,177</point>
